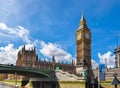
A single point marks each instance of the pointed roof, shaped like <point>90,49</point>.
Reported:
<point>53,59</point>
<point>82,17</point>
<point>82,22</point>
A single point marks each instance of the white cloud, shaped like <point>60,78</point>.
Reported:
<point>19,32</point>
<point>13,11</point>
<point>23,34</point>
<point>109,58</point>
<point>9,8</point>
<point>3,26</point>
<point>94,64</point>
<point>29,47</point>
<point>51,49</point>
<point>8,54</point>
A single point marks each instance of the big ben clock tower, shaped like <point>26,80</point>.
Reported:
<point>83,46</point>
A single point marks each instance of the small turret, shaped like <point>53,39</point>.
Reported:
<point>53,59</point>
<point>23,49</point>
<point>34,50</point>
<point>53,62</point>
<point>72,62</point>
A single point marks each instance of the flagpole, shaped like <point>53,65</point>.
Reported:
<point>117,39</point>
<point>98,77</point>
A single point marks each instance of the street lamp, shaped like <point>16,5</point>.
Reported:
<point>53,79</point>
<point>16,86</point>
<point>115,81</point>
<point>92,82</point>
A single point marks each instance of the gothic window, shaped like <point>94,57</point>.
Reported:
<point>30,65</point>
<point>119,56</point>
<point>28,58</point>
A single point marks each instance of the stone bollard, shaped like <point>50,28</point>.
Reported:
<point>92,82</point>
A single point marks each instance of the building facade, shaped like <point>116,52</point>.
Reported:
<point>117,57</point>
<point>29,58</point>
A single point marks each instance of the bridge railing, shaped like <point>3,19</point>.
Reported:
<point>25,69</point>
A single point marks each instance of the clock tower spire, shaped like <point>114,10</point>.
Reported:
<point>82,22</point>
<point>83,45</point>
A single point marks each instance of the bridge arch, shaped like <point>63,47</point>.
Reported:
<point>25,71</point>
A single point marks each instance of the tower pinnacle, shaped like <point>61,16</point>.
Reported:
<point>82,17</point>
<point>82,21</point>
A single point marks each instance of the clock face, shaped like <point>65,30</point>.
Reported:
<point>79,36</point>
<point>87,36</point>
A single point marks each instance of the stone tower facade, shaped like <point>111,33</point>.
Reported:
<point>27,58</point>
<point>83,46</point>
<point>117,57</point>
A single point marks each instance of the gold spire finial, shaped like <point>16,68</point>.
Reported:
<point>82,17</point>
<point>82,21</point>
<point>82,12</point>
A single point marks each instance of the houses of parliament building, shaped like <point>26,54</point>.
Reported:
<point>29,58</point>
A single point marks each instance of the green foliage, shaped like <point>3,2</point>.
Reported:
<point>105,81</point>
<point>81,82</point>
<point>1,78</point>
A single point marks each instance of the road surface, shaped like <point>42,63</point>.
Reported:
<point>2,85</point>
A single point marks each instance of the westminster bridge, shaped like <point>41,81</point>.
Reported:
<point>40,78</point>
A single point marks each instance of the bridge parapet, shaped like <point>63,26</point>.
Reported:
<point>26,71</point>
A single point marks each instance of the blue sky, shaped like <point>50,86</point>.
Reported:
<point>51,25</point>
